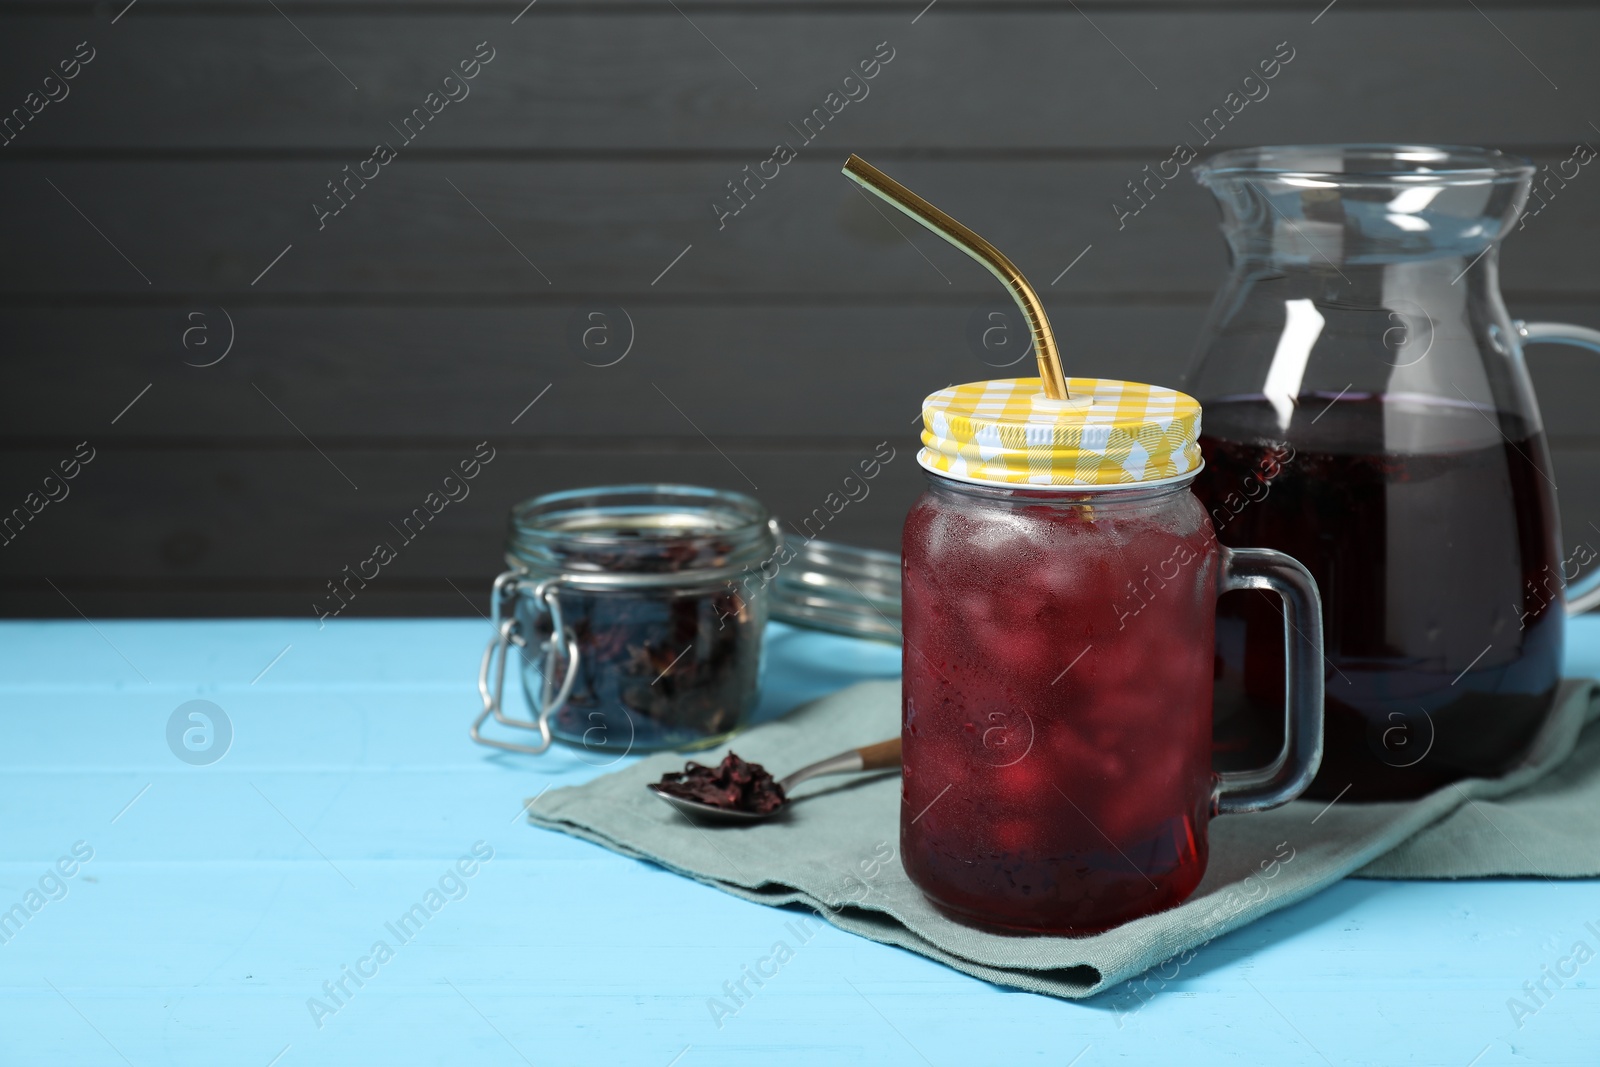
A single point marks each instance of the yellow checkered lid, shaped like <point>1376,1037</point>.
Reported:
<point>1007,432</point>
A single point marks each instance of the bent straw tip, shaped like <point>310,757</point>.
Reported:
<point>886,188</point>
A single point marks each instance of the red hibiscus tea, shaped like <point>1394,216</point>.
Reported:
<point>1058,664</point>
<point>1059,586</point>
<point>1057,705</point>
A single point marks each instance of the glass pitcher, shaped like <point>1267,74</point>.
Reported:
<point>1367,411</point>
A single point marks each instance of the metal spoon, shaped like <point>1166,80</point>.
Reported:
<point>879,757</point>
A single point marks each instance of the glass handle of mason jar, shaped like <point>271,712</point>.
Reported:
<point>1585,595</point>
<point>1287,776</point>
<point>495,656</point>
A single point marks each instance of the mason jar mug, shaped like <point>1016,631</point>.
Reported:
<point>1059,588</point>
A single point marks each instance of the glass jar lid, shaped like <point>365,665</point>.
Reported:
<point>839,588</point>
<point>633,532</point>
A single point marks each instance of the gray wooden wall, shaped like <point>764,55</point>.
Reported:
<point>162,208</point>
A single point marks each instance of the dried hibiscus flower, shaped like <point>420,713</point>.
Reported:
<point>734,785</point>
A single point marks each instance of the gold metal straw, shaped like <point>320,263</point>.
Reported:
<point>892,192</point>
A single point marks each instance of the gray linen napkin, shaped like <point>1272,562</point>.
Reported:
<point>837,849</point>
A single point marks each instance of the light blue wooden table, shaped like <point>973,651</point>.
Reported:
<point>220,898</point>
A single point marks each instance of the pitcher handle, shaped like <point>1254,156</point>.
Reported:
<point>1287,776</point>
<point>1581,595</point>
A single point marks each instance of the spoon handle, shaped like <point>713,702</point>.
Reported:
<point>881,756</point>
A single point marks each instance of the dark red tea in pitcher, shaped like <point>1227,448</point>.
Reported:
<point>1367,410</point>
<point>1443,642</point>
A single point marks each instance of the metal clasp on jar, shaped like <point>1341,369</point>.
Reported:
<point>563,644</point>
